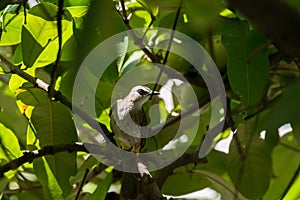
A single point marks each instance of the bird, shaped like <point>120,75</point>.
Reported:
<point>128,119</point>
<point>128,122</point>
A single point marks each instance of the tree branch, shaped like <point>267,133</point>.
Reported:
<point>101,128</point>
<point>47,150</point>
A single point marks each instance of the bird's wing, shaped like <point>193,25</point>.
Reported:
<point>123,110</point>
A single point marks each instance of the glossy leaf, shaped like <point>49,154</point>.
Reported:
<point>285,163</point>
<point>227,190</point>
<point>247,65</point>
<point>253,168</point>
<point>40,37</point>
<point>45,175</point>
<point>187,182</point>
<point>285,110</point>
<point>10,148</point>
<point>12,26</point>
<point>54,125</point>
<point>10,115</point>
<point>103,186</point>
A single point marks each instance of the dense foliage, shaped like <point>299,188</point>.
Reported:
<point>49,40</point>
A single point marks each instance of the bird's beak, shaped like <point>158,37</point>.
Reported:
<point>154,93</point>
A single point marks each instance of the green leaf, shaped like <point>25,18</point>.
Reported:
<point>122,48</point>
<point>103,186</point>
<point>40,37</point>
<point>247,64</point>
<point>108,23</point>
<point>10,115</point>
<point>285,163</point>
<point>250,173</point>
<point>133,60</point>
<point>32,95</point>
<point>9,144</point>
<point>187,182</point>
<point>103,97</point>
<point>54,125</point>
<point>9,148</point>
<point>46,177</point>
<point>31,49</point>
<point>11,25</point>
<point>294,191</point>
<point>89,163</point>
<point>140,17</point>
<point>227,190</point>
<point>285,110</point>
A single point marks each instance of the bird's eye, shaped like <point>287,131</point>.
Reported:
<point>142,92</point>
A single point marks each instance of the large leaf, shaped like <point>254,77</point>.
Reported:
<point>187,182</point>
<point>31,95</point>
<point>103,185</point>
<point>10,148</point>
<point>54,125</point>
<point>250,172</point>
<point>101,22</point>
<point>247,65</point>
<point>227,190</point>
<point>285,110</point>
<point>12,25</point>
<point>10,116</point>
<point>45,175</point>
<point>285,163</point>
<point>40,37</point>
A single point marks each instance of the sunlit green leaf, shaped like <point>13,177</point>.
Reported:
<point>45,175</point>
<point>10,115</point>
<point>11,29</point>
<point>40,36</point>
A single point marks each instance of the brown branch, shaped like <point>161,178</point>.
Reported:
<point>47,150</point>
<point>101,128</point>
<point>283,27</point>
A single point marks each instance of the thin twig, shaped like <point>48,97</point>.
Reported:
<point>59,33</point>
<point>81,184</point>
<point>169,46</point>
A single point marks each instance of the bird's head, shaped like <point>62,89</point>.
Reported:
<point>140,94</point>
